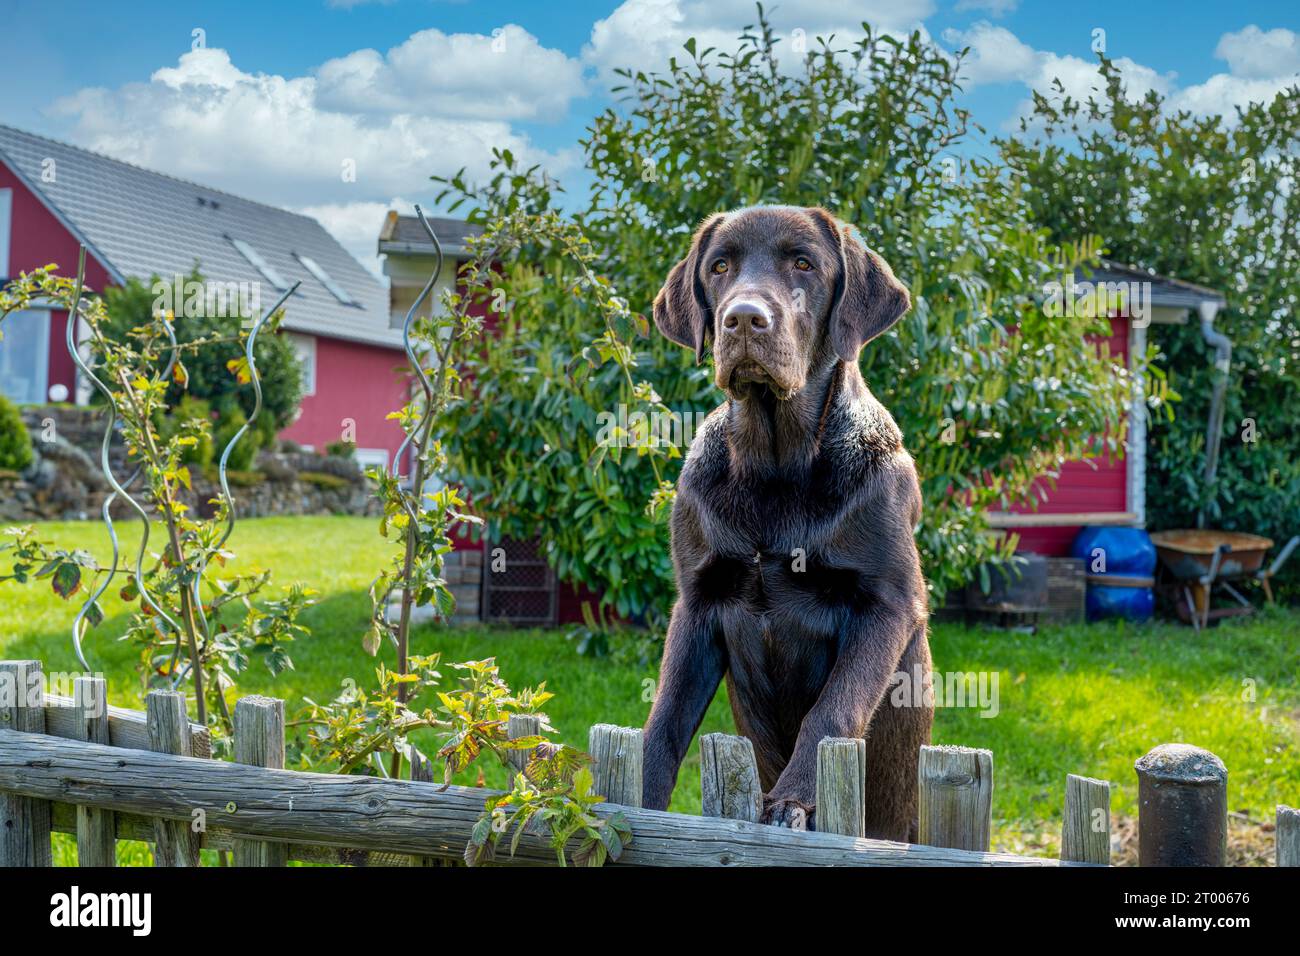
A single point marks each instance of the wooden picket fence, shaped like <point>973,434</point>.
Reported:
<point>76,765</point>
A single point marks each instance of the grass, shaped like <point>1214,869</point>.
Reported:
<point>1082,699</point>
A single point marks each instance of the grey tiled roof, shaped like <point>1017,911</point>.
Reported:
<point>140,223</point>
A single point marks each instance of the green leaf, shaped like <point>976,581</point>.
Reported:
<point>67,579</point>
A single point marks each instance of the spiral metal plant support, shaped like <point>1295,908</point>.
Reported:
<point>226,497</point>
<point>410,503</point>
<point>74,315</point>
<point>120,490</point>
<point>416,364</point>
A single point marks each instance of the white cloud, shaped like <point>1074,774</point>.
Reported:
<point>1260,65</point>
<point>1223,93</point>
<point>996,55</point>
<point>1257,54</point>
<point>643,34</point>
<point>278,139</point>
<point>507,75</point>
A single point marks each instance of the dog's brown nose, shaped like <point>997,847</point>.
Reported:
<point>746,315</point>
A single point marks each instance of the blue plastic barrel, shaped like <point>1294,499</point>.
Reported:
<point>1116,552</point>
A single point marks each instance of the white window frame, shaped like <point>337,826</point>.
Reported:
<point>365,457</point>
<point>304,346</point>
<point>41,369</point>
<point>6,228</point>
<point>258,262</point>
<point>324,278</point>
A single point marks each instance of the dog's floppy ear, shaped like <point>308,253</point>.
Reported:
<point>868,299</point>
<point>681,311</point>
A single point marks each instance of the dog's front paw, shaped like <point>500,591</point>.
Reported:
<point>789,813</point>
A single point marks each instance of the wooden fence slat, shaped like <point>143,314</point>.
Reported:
<point>956,797</point>
<point>259,742</point>
<point>616,754</point>
<point>1288,836</point>
<point>522,725</point>
<point>126,728</point>
<point>1182,807</point>
<point>96,829</point>
<point>175,843</point>
<point>1085,830</point>
<point>24,822</point>
<point>421,767</point>
<point>729,778</point>
<point>841,786</point>
<point>402,817</point>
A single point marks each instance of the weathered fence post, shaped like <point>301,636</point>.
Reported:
<point>24,822</point>
<point>522,725</point>
<point>259,742</point>
<point>842,785</point>
<point>175,843</point>
<point>956,797</point>
<point>616,754</point>
<point>1288,836</point>
<point>1182,807</point>
<point>729,778</point>
<point>421,767</point>
<point>1085,832</point>
<point>96,829</point>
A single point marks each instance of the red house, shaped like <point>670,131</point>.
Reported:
<point>136,223</point>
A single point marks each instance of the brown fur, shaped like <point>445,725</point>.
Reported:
<point>798,578</point>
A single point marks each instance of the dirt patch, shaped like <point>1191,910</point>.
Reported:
<point>1250,842</point>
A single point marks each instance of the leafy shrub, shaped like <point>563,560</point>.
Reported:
<point>341,449</point>
<point>243,454</point>
<point>15,442</point>
<point>190,410</point>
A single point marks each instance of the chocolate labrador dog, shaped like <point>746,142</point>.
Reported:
<point>797,574</point>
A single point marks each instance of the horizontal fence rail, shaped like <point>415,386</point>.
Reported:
<point>74,765</point>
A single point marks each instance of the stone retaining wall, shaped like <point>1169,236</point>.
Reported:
<point>64,481</point>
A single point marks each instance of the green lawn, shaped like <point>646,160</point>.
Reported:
<point>1086,700</point>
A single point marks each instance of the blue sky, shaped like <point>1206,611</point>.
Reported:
<point>279,95</point>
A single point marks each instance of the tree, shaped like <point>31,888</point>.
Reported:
<point>1210,200</point>
<point>989,391</point>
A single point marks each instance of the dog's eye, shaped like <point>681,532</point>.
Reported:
<point>719,267</point>
<point>803,264</point>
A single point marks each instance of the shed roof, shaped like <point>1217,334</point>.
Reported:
<point>1165,291</point>
<point>404,235</point>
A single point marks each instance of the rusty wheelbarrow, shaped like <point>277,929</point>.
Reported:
<point>1201,560</point>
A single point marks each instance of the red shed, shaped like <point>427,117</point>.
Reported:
<point>1105,490</point>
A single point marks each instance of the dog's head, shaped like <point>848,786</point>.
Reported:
<point>777,290</point>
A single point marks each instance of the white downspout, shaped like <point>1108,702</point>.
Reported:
<point>1222,364</point>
